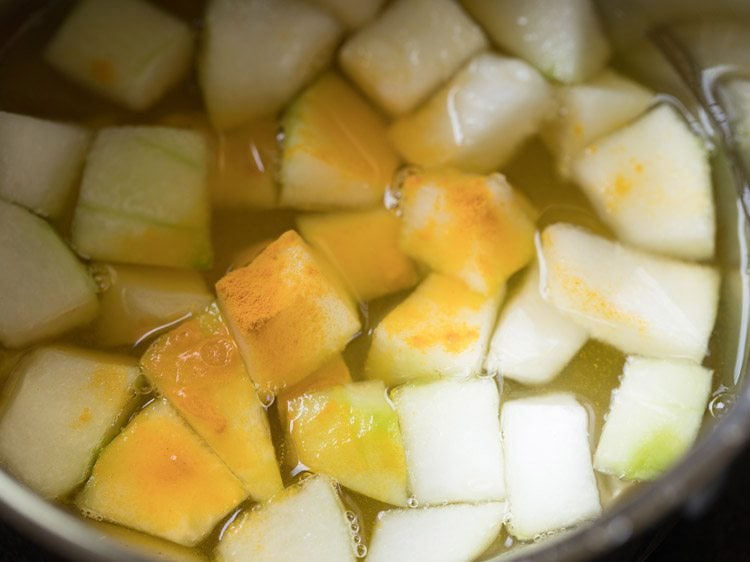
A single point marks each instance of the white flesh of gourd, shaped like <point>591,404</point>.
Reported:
<point>654,417</point>
<point>548,472</point>
<point>40,161</point>
<point>435,534</point>
<point>399,58</point>
<point>477,120</point>
<point>257,54</point>
<point>641,303</point>
<point>66,403</point>
<point>304,522</point>
<point>44,289</point>
<point>562,38</point>
<point>533,341</point>
<point>651,182</point>
<point>128,50</point>
<point>591,109</point>
<point>451,437</point>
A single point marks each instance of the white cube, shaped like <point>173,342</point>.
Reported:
<point>478,119</point>
<point>127,50</point>
<point>67,403</point>
<point>641,303</point>
<point>654,417</point>
<point>651,183</point>
<point>533,341</point>
<point>40,162</point>
<point>409,50</point>
<point>435,534</point>
<point>548,472</point>
<point>306,521</point>
<point>451,435</point>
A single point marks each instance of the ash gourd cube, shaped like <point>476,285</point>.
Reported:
<point>159,477</point>
<point>440,330</point>
<point>654,417</point>
<point>591,109</point>
<point>240,81</point>
<point>533,341</point>
<point>562,38</point>
<point>548,472</point>
<point>44,289</point>
<point>451,435</point>
<point>651,183</point>
<point>335,372</point>
<point>198,368</point>
<point>138,300</point>
<point>640,303</point>
<point>40,161</point>
<point>306,521</point>
<point>287,314</point>
<point>144,198</point>
<point>66,403</point>
<point>351,433</point>
<point>413,46</point>
<point>478,119</point>
<point>335,151</point>
<point>435,534</point>
<point>344,238</point>
<point>473,227</point>
<point>127,50</point>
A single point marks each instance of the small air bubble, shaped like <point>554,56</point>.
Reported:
<point>485,374</point>
<point>412,502</point>
<point>393,192</point>
<point>102,276</point>
<point>354,527</point>
<point>360,551</point>
<point>357,539</point>
<point>351,516</point>
<point>267,399</point>
<point>720,405</point>
<point>143,387</point>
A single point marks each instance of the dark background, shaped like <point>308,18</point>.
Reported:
<point>721,532</point>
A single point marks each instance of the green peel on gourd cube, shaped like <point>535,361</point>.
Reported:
<point>351,433</point>
<point>548,473</point>
<point>40,162</point>
<point>241,81</point>
<point>440,330</point>
<point>412,47</point>
<point>654,417</point>
<point>306,521</point>
<point>533,341</point>
<point>638,302</point>
<point>44,290</point>
<point>129,51</point>
<point>436,534</point>
<point>591,109</point>
<point>479,119</point>
<point>144,198</point>
<point>651,183</point>
<point>562,38</point>
<point>451,432</point>
<point>64,406</point>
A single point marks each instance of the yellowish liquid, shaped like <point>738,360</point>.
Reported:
<point>28,85</point>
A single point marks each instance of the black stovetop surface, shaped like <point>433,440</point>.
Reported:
<point>721,532</point>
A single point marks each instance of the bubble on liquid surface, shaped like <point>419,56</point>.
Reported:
<point>351,516</point>
<point>360,551</point>
<point>412,502</point>
<point>720,404</point>
<point>102,276</point>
